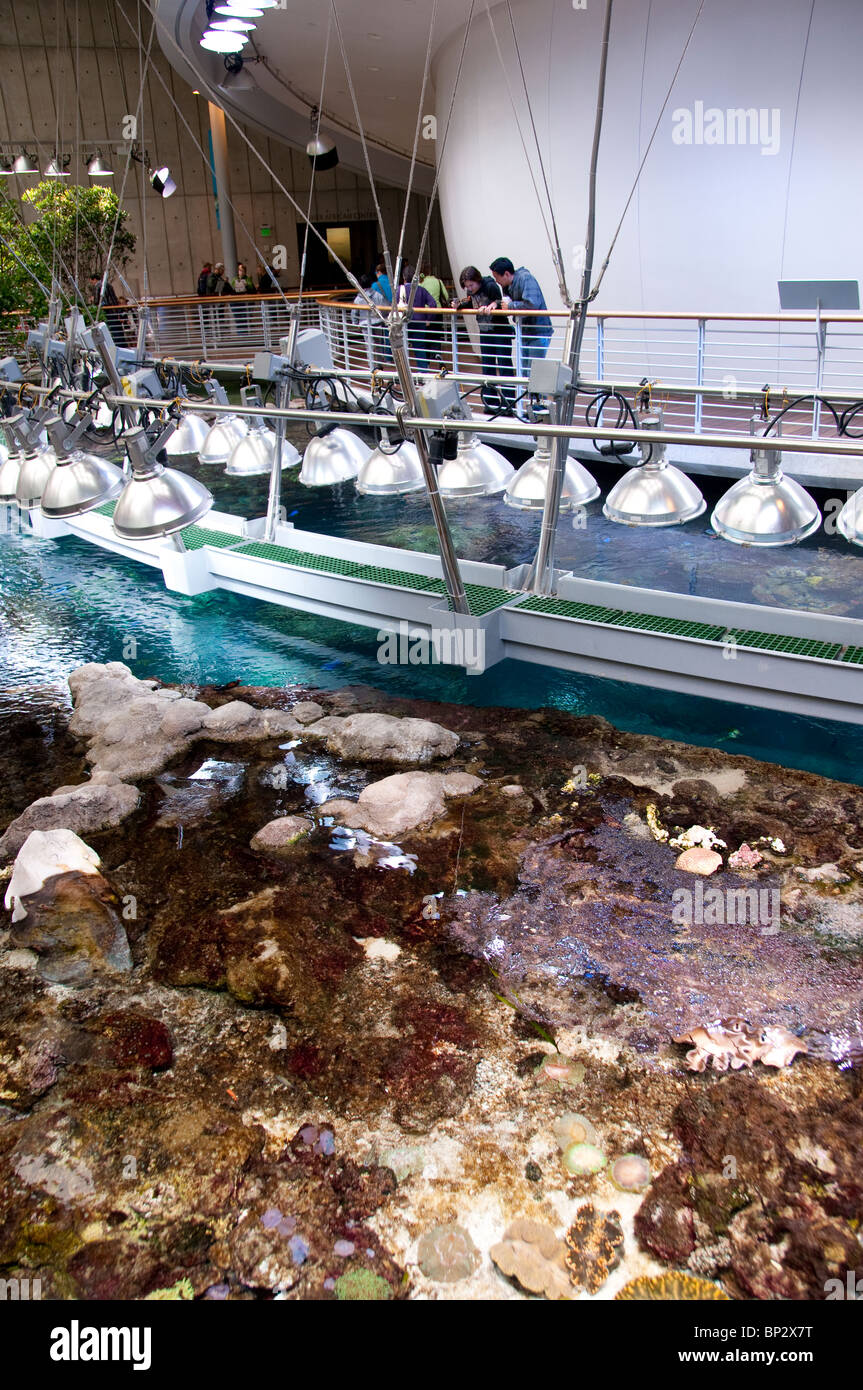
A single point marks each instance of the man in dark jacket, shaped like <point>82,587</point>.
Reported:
<point>520,290</point>
<point>203,278</point>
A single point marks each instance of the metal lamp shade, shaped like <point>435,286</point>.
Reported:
<point>9,471</point>
<point>476,471</point>
<point>221,438</point>
<point>527,489</point>
<point>391,475</point>
<point>333,458</point>
<point>80,483</point>
<point>653,494</point>
<point>189,437</point>
<point>767,511</point>
<point>253,456</point>
<point>849,523</point>
<point>36,469</point>
<point>159,502</point>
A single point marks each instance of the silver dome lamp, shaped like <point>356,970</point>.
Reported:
<point>81,481</point>
<point>38,461</point>
<point>849,522</point>
<point>189,437</point>
<point>333,455</point>
<point>11,465</point>
<point>653,492</point>
<point>477,470</point>
<point>391,472</point>
<point>156,501</point>
<point>527,489</point>
<point>766,507</point>
<point>227,430</point>
<point>253,456</point>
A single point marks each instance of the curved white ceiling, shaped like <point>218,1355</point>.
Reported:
<point>385,41</point>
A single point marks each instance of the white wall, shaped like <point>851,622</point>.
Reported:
<point>707,228</point>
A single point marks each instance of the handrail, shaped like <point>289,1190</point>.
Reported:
<point>337,300</point>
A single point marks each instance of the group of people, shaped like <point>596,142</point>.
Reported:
<point>506,288</point>
<point>213,280</point>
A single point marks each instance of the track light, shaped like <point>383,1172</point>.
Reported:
<point>321,149</point>
<point>97,168</point>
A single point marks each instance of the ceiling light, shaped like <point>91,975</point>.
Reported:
<point>97,168</point>
<point>24,164</point>
<point>223,41</point>
<point>240,11</point>
<point>162,181</point>
<point>321,149</point>
<point>56,169</point>
<point>236,26</point>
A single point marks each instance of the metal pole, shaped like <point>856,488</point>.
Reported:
<point>275,497</point>
<point>540,578</point>
<point>223,189</point>
<point>111,372</point>
<point>449,560</point>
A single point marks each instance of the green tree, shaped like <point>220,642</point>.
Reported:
<point>68,238</point>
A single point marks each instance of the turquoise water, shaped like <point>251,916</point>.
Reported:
<point>64,603</point>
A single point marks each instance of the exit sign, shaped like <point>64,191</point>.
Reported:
<point>266,231</point>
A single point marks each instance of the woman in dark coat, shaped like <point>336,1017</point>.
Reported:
<point>495,331</point>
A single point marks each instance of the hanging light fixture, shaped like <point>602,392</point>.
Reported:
<point>766,508</point>
<point>98,169</point>
<point>57,168</point>
<point>237,77</point>
<point>253,456</point>
<point>476,471</point>
<point>162,181</point>
<point>223,41</point>
<point>241,11</point>
<point>10,466</point>
<point>653,492</point>
<point>25,165</point>
<point>234,25</point>
<point>38,462</point>
<point>156,501</point>
<point>527,489</point>
<point>321,149</point>
<point>222,436</point>
<point>81,481</point>
<point>391,472</point>
<point>333,455</point>
<point>849,522</point>
<point>189,436</point>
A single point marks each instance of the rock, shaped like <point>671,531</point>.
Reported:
<point>128,1039</point>
<point>824,873</point>
<point>44,855</point>
<point>281,833</point>
<point>512,789</point>
<point>405,801</point>
<point>745,858</point>
<point>384,738</point>
<point>698,861</point>
<point>91,806</point>
<point>229,719</point>
<point>183,716</point>
<point>307,712</point>
<point>73,928</point>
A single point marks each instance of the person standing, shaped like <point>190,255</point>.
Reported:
<point>382,280</point>
<point>419,323</point>
<point>439,326</point>
<point>242,284</point>
<point>520,290</point>
<point>363,316</point>
<point>495,333</point>
<point>203,278</point>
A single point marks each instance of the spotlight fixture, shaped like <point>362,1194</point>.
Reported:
<point>80,481</point>
<point>253,455</point>
<point>653,492</point>
<point>391,473</point>
<point>766,507</point>
<point>24,164</point>
<point>527,489</point>
<point>226,431</point>
<point>162,181</point>
<point>476,471</point>
<point>98,169</point>
<point>189,436</point>
<point>236,78</point>
<point>57,168</point>
<point>156,501</point>
<point>321,149</point>
<point>333,455</point>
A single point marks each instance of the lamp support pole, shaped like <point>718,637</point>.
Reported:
<point>449,559</point>
<point>540,578</point>
<point>275,497</point>
<point>219,139</point>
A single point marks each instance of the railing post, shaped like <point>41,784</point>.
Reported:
<point>600,349</point>
<point>203,330</point>
<point>821,349</point>
<point>265,325</point>
<point>518,363</point>
<point>699,374</point>
<point>345,341</point>
<point>453,333</point>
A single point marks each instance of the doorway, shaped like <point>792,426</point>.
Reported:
<point>355,243</point>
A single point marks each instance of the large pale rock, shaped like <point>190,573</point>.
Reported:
<point>307,711</point>
<point>278,835</point>
<point>92,806</point>
<point>43,855</point>
<point>73,927</point>
<point>384,738</point>
<point>405,801</point>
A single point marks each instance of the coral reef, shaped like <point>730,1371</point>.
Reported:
<point>732,1043</point>
<point>671,1288</point>
<point>447,1254</point>
<point>535,1257</point>
<point>594,1247</point>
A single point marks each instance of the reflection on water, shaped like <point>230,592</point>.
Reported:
<point>64,603</point>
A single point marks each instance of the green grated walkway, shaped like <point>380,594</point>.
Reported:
<point>701,632</point>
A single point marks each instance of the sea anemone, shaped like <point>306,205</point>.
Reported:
<point>574,1129</point>
<point>630,1173</point>
<point>671,1288</point>
<point>560,1072</point>
<point>583,1159</point>
<point>447,1254</point>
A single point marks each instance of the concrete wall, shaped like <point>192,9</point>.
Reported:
<point>81,82</point>
<point>712,226</point>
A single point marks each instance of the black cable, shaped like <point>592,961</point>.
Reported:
<point>609,448</point>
